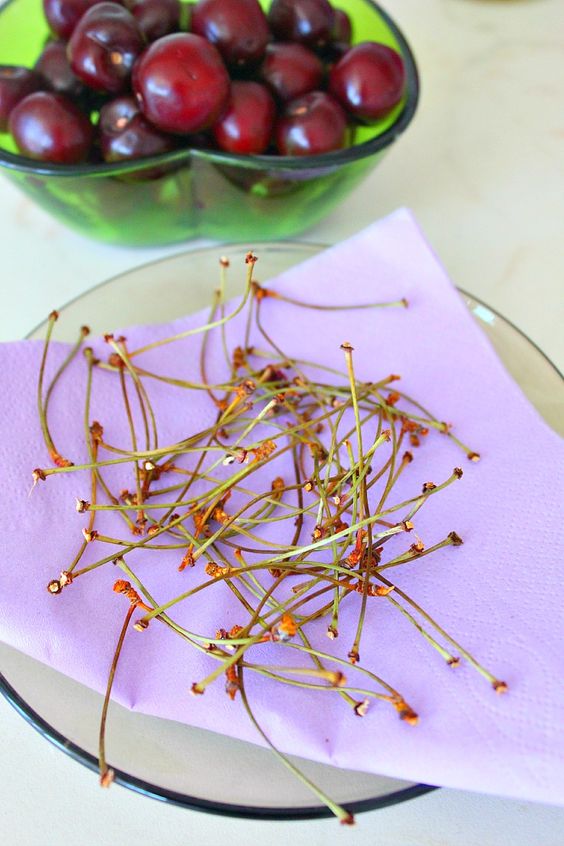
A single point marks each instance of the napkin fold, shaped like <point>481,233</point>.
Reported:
<point>500,594</point>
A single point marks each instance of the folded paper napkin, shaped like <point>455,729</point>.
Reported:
<point>500,594</point>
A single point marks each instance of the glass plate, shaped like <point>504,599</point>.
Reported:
<point>176,763</point>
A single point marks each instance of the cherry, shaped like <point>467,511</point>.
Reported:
<point>238,28</point>
<point>49,127</point>
<point>125,134</point>
<point>116,114</point>
<point>103,47</point>
<point>291,70</point>
<point>342,27</point>
<point>15,84</point>
<point>156,17</point>
<point>311,125</point>
<point>54,67</point>
<point>369,80</point>
<point>246,126</point>
<point>63,15</point>
<point>181,83</point>
<point>309,22</point>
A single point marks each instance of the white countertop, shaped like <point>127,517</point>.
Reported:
<point>483,169</point>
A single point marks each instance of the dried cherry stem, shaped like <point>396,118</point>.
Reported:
<point>354,652</point>
<point>276,674</point>
<point>451,659</point>
<point>42,405</point>
<point>131,424</point>
<point>218,296</point>
<point>344,816</point>
<point>267,410</point>
<point>93,434</point>
<point>261,293</point>
<point>206,327</point>
<point>107,774</point>
<point>498,686</point>
<point>168,380</point>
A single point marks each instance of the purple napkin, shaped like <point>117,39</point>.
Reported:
<point>500,594</point>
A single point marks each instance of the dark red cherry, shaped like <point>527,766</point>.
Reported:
<point>238,28</point>
<point>369,80</point>
<point>308,21</point>
<point>311,125</point>
<point>181,84</point>
<point>103,47</point>
<point>15,84</point>
<point>156,18</point>
<point>54,67</point>
<point>63,15</point>
<point>291,70</point>
<point>246,126</point>
<point>125,134</point>
<point>342,27</point>
<point>50,128</point>
<point>116,114</point>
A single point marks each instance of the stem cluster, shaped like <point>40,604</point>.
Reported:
<point>290,500</point>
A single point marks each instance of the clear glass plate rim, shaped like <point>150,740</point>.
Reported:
<point>138,785</point>
<point>277,245</point>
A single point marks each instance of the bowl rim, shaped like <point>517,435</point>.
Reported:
<point>13,161</point>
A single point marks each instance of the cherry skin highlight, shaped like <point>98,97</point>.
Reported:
<point>311,125</point>
<point>104,46</point>
<point>309,22</point>
<point>50,128</point>
<point>181,84</point>
<point>246,126</point>
<point>368,81</point>
<point>291,70</point>
<point>125,134</point>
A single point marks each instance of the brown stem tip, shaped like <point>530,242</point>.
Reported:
<point>455,539</point>
<point>348,820</point>
<point>406,713</point>
<point>361,708</point>
<point>54,587</point>
<point>107,778</point>
<point>500,686</point>
<point>89,535</point>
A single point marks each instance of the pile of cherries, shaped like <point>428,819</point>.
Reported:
<point>119,82</point>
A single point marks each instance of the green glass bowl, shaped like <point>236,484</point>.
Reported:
<point>190,192</point>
